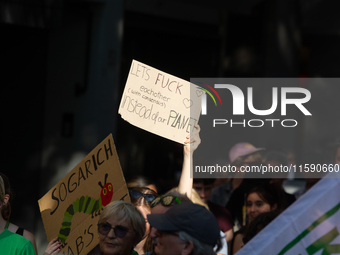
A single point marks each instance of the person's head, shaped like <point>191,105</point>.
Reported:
<point>142,198</point>
<point>203,188</point>
<point>163,203</point>
<point>254,227</point>
<point>263,198</point>
<point>140,182</point>
<point>121,226</point>
<point>6,207</point>
<point>186,228</point>
<point>244,154</point>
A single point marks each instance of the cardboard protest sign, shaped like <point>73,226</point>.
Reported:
<point>160,103</point>
<point>70,210</point>
<point>309,226</point>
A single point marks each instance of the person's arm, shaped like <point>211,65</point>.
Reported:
<point>238,243</point>
<point>190,145</point>
<point>28,249</point>
<point>229,235</point>
<point>28,235</point>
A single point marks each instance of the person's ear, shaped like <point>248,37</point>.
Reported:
<point>274,207</point>
<point>188,248</point>
<point>6,199</point>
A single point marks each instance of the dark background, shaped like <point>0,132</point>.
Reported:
<point>65,63</point>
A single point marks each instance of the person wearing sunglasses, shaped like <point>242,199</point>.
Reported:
<point>121,227</point>
<point>148,194</point>
<point>142,198</point>
<point>186,228</point>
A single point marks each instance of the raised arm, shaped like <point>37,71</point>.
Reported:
<point>190,145</point>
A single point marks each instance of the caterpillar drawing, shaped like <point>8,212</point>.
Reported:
<point>88,205</point>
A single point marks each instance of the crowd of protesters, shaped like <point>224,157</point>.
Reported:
<point>200,216</point>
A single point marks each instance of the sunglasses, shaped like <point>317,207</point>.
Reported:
<point>105,228</point>
<point>137,194</point>
<point>166,201</point>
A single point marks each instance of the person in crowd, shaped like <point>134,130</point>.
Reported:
<point>142,198</point>
<point>142,195</point>
<point>241,154</point>
<point>186,228</point>
<point>6,212</point>
<point>53,247</point>
<point>185,188</point>
<point>11,243</point>
<point>173,198</point>
<point>121,227</point>
<point>260,198</point>
<point>259,223</point>
<point>141,181</point>
<point>204,188</point>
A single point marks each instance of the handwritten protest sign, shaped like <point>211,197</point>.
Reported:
<point>159,102</point>
<point>70,210</point>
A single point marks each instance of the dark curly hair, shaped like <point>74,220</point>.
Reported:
<point>271,193</point>
<point>254,227</point>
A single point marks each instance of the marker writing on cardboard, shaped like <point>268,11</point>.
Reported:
<point>87,205</point>
<point>60,194</point>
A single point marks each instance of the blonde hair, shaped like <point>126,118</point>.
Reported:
<point>125,211</point>
<point>195,198</point>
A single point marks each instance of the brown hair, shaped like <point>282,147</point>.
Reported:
<point>258,224</point>
<point>2,189</point>
<point>6,208</point>
<point>271,193</point>
<point>141,201</point>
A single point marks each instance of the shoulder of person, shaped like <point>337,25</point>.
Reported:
<point>12,227</point>
<point>28,235</point>
<point>29,248</point>
<point>21,242</point>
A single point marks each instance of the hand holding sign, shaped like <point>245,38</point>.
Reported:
<point>159,102</point>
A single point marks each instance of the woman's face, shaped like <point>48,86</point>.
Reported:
<point>256,206</point>
<point>110,244</point>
